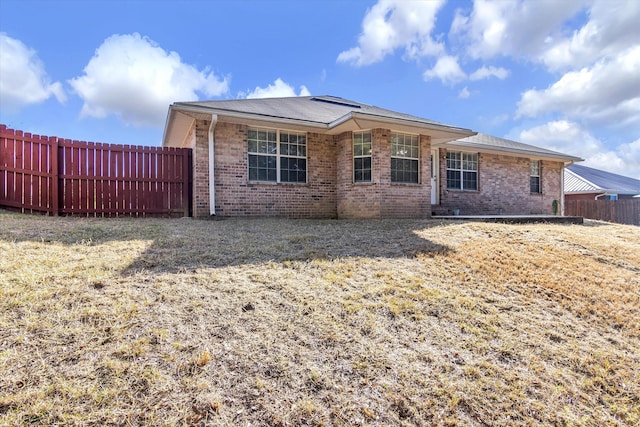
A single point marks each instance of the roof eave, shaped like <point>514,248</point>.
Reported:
<point>439,133</point>
<point>502,150</point>
<point>194,109</point>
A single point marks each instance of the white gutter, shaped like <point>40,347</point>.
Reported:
<point>212,168</point>
<point>248,116</point>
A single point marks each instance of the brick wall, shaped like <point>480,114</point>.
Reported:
<point>236,196</point>
<point>200,144</point>
<point>503,187</point>
<point>381,198</point>
<point>503,182</point>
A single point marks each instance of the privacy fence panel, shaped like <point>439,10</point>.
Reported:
<point>626,211</point>
<point>58,176</point>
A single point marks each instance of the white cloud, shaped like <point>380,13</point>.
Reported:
<point>464,93</point>
<point>609,91</point>
<point>485,72</point>
<point>563,136</point>
<point>612,28</point>
<point>396,24</point>
<point>570,138</point>
<point>134,78</point>
<point>446,69</point>
<point>511,27</point>
<point>23,79</point>
<point>279,89</point>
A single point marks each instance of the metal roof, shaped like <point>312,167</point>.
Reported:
<point>583,179</point>
<point>486,142</point>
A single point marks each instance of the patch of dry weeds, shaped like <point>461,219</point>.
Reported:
<point>276,322</point>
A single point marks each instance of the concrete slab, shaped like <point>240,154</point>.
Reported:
<point>515,219</point>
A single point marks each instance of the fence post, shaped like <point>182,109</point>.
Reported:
<point>185,180</point>
<point>55,181</point>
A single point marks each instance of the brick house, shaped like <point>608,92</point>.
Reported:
<point>327,157</point>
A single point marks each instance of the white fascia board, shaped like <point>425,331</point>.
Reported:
<point>249,116</point>
<point>459,132</point>
<point>480,148</point>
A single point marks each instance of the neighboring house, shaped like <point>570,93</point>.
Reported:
<point>584,183</point>
<point>327,157</point>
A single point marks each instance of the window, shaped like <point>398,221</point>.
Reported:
<point>404,158</point>
<point>462,171</point>
<point>362,157</point>
<point>277,156</point>
<point>534,176</point>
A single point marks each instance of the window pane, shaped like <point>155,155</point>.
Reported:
<point>293,170</point>
<point>535,184</point>
<point>284,149</point>
<point>272,136</point>
<point>262,168</point>
<point>469,161</point>
<point>252,134</point>
<point>253,146</point>
<point>404,170</point>
<point>470,181</point>
<point>362,169</point>
<point>366,137</point>
<point>284,137</point>
<point>453,180</point>
<point>394,149</point>
<point>535,168</point>
<point>357,149</point>
<point>453,160</point>
<point>366,149</point>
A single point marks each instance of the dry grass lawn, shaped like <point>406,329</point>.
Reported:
<point>288,323</point>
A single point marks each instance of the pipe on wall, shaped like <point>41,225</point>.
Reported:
<point>212,168</point>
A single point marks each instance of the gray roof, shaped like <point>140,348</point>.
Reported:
<point>582,179</point>
<point>325,110</point>
<point>335,115</point>
<point>328,114</point>
<point>493,143</point>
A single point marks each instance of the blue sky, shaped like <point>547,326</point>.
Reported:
<point>563,74</point>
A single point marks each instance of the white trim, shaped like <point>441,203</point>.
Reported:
<point>354,157</point>
<point>435,176</point>
<point>417,136</point>
<point>212,168</point>
<point>562,169</point>
<point>462,170</point>
<point>279,155</point>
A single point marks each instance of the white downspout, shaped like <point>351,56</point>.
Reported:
<point>562,188</point>
<point>212,168</point>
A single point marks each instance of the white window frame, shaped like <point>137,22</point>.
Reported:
<point>538,164</point>
<point>397,136</point>
<point>462,169</point>
<point>362,156</point>
<point>278,155</point>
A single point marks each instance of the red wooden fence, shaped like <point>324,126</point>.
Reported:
<point>40,174</point>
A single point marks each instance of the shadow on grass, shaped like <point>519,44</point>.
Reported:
<point>235,242</point>
<point>178,244</point>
